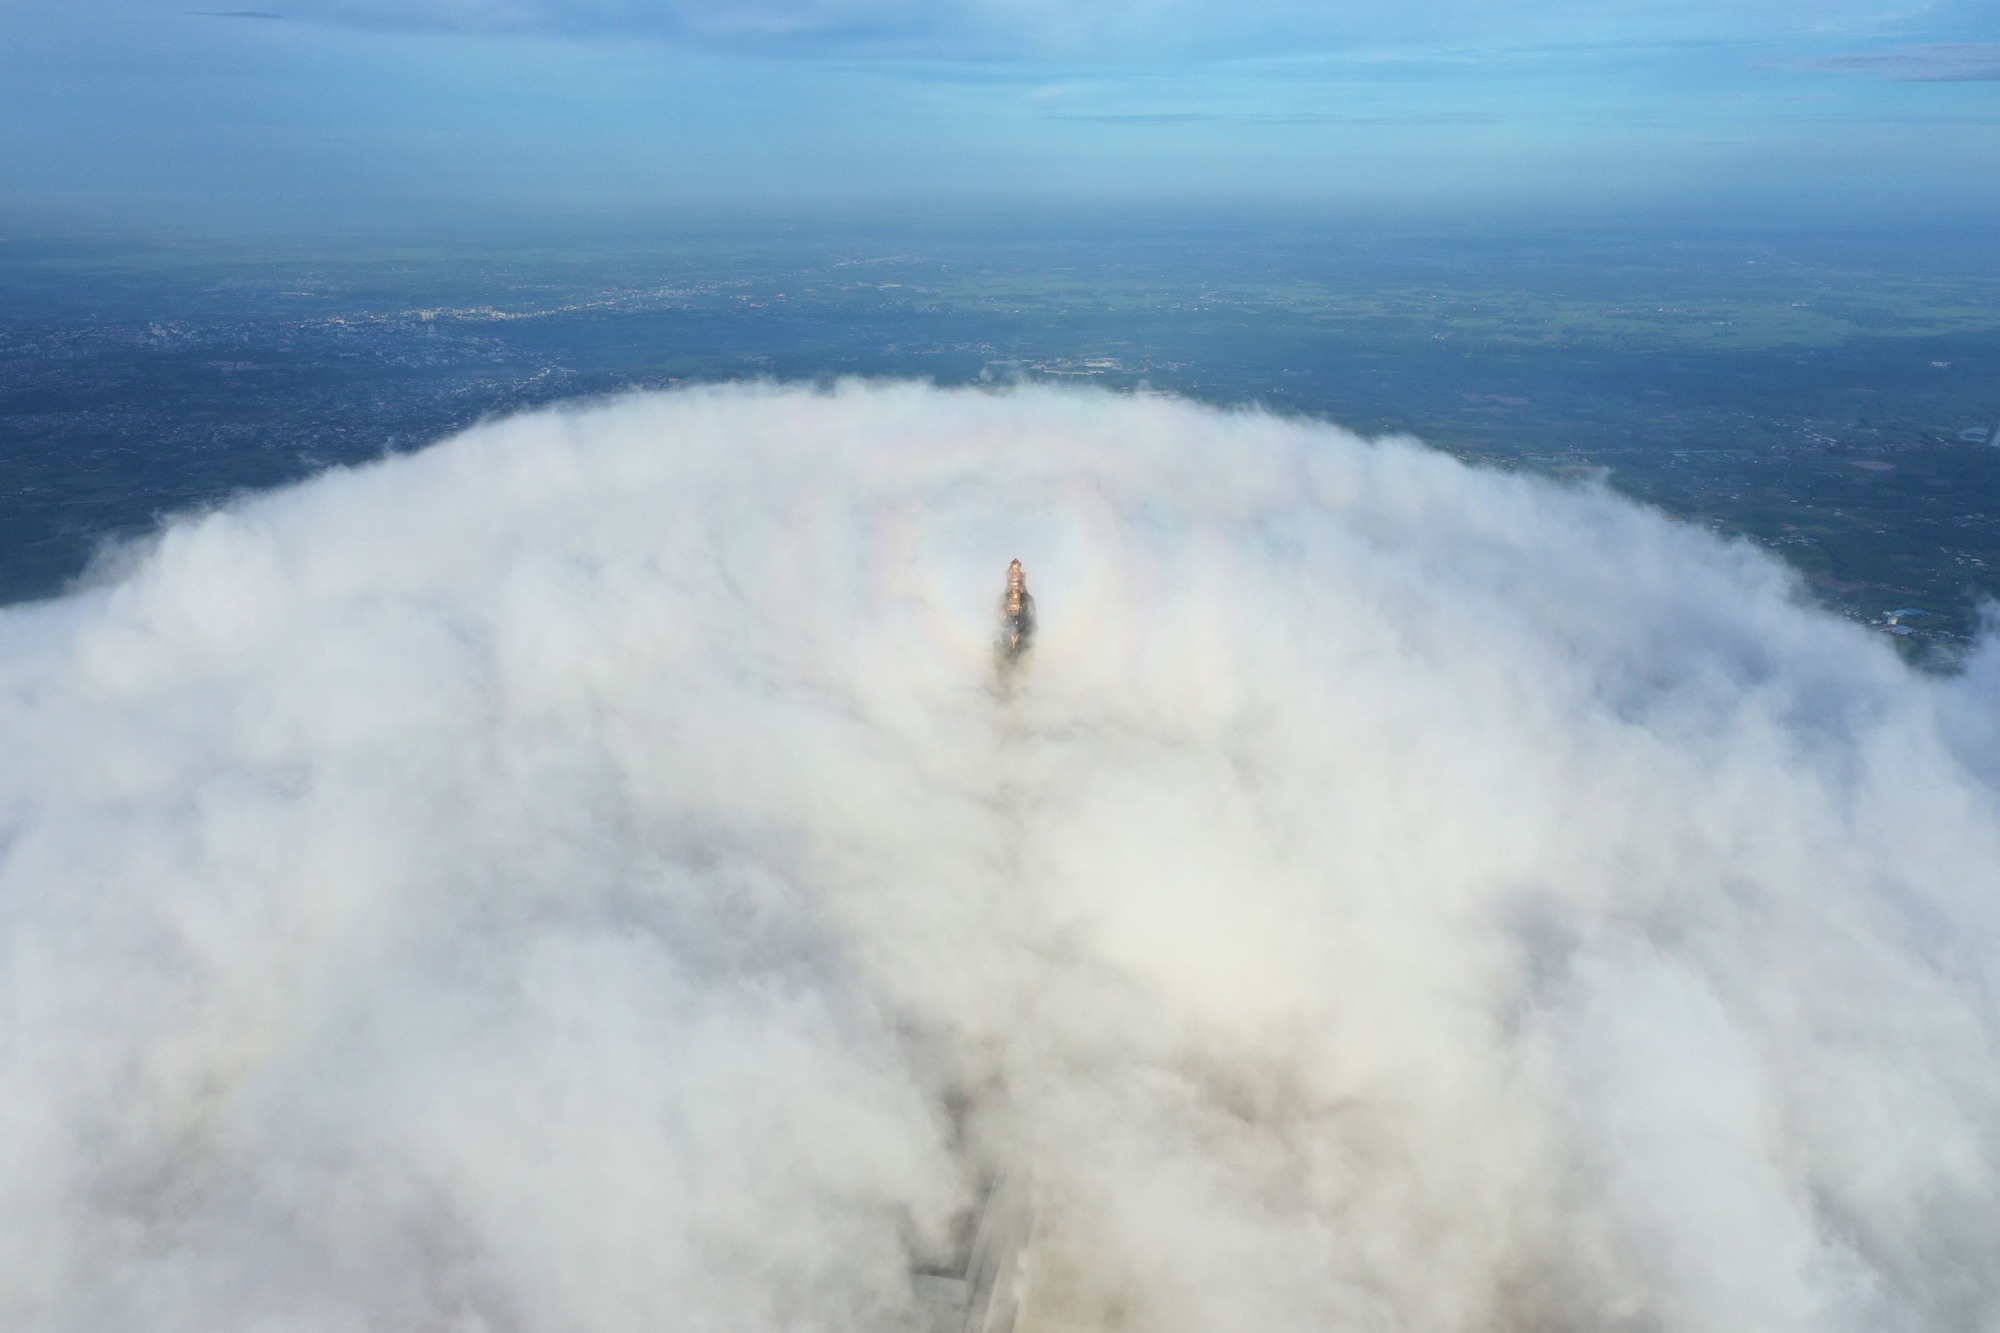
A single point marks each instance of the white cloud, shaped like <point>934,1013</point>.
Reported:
<point>558,880</point>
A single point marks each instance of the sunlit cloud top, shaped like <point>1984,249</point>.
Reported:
<point>566,879</point>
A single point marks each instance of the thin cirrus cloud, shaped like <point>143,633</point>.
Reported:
<point>1098,29</point>
<point>1432,103</point>
<point>1961,62</point>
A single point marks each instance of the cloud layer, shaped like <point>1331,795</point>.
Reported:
<point>1113,29</point>
<point>1963,62</point>
<point>585,875</point>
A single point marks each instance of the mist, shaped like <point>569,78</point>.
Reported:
<point>590,875</point>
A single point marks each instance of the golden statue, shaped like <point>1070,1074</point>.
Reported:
<point>1017,614</point>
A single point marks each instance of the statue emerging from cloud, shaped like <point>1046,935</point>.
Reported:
<point>1017,616</point>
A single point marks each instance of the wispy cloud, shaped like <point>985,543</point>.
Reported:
<point>1108,29</point>
<point>1950,62</point>
<point>1276,118</point>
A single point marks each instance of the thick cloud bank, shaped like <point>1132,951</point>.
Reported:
<point>586,876</point>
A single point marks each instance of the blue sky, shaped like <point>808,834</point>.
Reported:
<point>198,110</point>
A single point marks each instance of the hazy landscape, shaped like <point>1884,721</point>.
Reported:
<point>1834,397</point>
